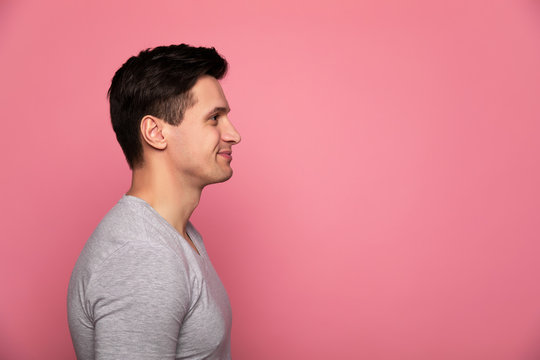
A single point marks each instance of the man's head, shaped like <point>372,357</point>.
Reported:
<point>157,83</point>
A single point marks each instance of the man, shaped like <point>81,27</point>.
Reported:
<point>143,286</point>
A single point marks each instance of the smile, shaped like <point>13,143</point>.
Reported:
<point>226,154</point>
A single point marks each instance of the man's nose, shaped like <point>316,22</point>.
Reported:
<point>230,134</point>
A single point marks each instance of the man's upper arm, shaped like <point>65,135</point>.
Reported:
<point>139,298</point>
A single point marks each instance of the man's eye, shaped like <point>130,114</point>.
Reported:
<point>215,117</point>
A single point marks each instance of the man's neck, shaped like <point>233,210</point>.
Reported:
<point>173,200</point>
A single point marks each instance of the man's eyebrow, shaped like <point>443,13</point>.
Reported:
<point>219,109</point>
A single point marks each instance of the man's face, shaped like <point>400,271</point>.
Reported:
<point>200,147</point>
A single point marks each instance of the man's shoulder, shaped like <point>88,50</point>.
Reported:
<point>127,224</point>
<point>127,252</point>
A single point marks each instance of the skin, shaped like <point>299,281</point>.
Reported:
<point>179,161</point>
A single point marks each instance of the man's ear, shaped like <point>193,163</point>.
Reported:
<point>152,132</point>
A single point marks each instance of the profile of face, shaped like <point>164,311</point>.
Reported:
<point>199,149</point>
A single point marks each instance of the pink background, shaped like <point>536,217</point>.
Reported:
<point>385,202</point>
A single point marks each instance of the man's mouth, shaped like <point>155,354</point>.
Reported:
<point>226,154</point>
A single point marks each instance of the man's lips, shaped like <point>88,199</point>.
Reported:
<point>226,154</point>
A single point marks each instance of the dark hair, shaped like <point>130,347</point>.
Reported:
<point>157,82</point>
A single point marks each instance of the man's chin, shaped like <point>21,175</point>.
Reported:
<point>222,178</point>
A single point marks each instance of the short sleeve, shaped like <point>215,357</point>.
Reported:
<point>139,298</point>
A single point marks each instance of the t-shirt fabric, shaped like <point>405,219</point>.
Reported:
<point>140,291</point>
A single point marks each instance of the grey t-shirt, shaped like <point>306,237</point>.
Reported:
<point>139,291</point>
